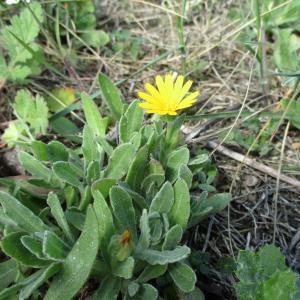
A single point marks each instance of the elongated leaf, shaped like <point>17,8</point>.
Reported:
<point>58,214</point>
<point>8,273</point>
<point>111,96</point>
<point>103,186</point>
<point>186,174</point>
<point>147,292</point>
<point>33,245</point>
<point>64,171</point>
<point>183,276</point>
<point>174,160</point>
<point>21,215</point>
<point>78,263</point>
<point>12,290</point>
<point>145,237</point>
<point>155,257</point>
<point>5,220</point>
<point>152,272</point>
<point>34,167</point>
<point>138,168</point>
<point>105,220</point>
<point>12,246</point>
<point>131,121</point>
<point>123,210</point>
<point>125,268</point>
<point>109,289</point>
<point>44,275</point>
<point>119,161</point>
<point>93,116</point>
<point>180,211</point>
<point>172,238</point>
<point>39,150</point>
<point>54,248</point>
<point>164,199</point>
<point>57,151</point>
<point>89,146</point>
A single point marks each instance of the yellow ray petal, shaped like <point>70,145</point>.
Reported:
<point>169,83</point>
<point>161,86</point>
<point>146,97</point>
<point>188,101</point>
<point>172,113</point>
<point>159,112</point>
<point>148,105</point>
<point>152,90</point>
<point>178,84</point>
<point>185,89</point>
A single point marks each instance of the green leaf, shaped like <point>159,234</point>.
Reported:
<point>103,186</point>
<point>64,171</point>
<point>89,146</point>
<point>131,121</point>
<point>12,246</point>
<point>286,52</point>
<point>133,288</point>
<point>8,273</point>
<point>32,111</point>
<point>292,110</point>
<point>43,276</point>
<point>209,206</point>
<point>125,268</point>
<point>54,248</point>
<point>79,262</point>
<point>64,126</point>
<point>199,160</point>
<point>24,27</point>
<point>281,285</point>
<point>174,160</point>
<point>271,259</point>
<point>96,38</point>
<point>120,161</point>
<point>105,220</point>
<point>186,174</point>
<point>180,211</point>
<point>152,272</point>
<point>21,215</point>
<point>154,257</point>
<point>123,210</point>
<point>145,237</point>
<point>75,218</point>
<point>57,151</point>
<point>183,276</point>
<point>58,214</point>
<point>14,133</point>
<point>164,199</point>
<point>146,292</point>
<point>93,116</point>
<point>172,238</point>
<point>196,294</point>
<point>138,168</point>
<point>30,283</point>
<point>34,245</point>
<point>35,167</point>
<point>109,289</point>
<point>39,150</point>
<point>111,96</point>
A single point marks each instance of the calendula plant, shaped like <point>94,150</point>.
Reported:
<point>112,211</point>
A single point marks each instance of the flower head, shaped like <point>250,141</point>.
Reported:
<point>168,97</point>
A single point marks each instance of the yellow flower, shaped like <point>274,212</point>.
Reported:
<point>168,97</point>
